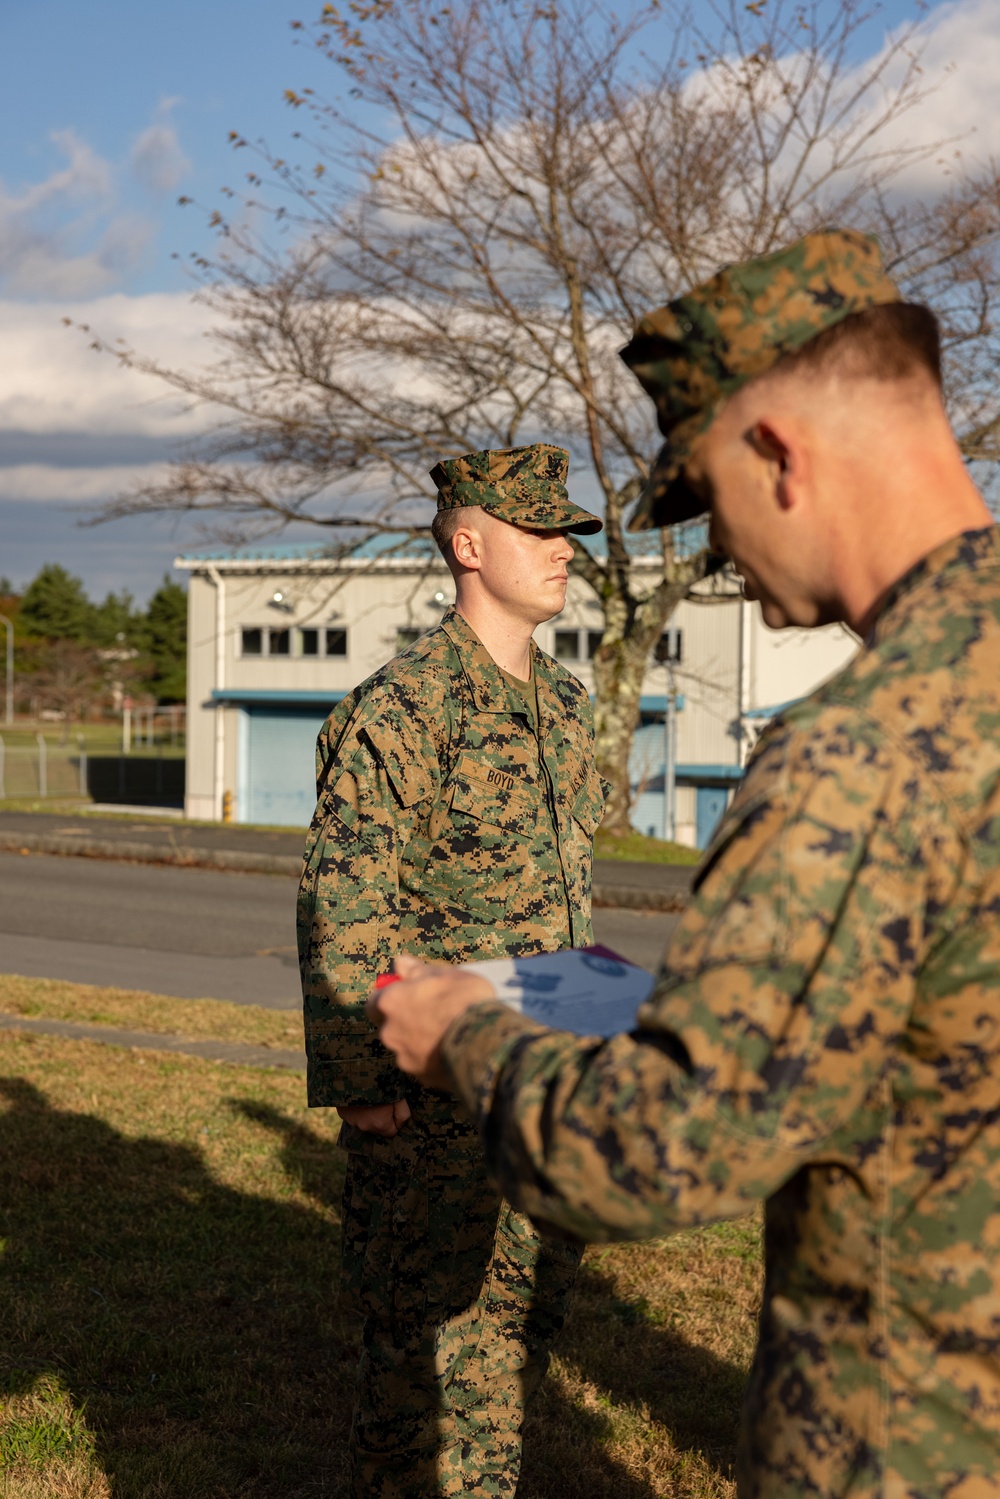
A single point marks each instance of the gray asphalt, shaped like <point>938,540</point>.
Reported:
<point>189,933</point>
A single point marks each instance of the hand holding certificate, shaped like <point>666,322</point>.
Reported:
<point>589,991</point>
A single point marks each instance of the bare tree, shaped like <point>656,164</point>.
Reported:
<point>501,190</point>
<point>66,677</point>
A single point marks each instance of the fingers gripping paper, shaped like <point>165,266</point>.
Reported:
<point>590,991</point>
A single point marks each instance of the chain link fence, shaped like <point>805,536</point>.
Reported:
<point>42,767</point>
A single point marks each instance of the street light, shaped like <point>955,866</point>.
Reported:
<point>9,713</point>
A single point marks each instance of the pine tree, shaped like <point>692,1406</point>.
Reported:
<point>56,607</point>
<point>166,642</point>
<point>117,625</point>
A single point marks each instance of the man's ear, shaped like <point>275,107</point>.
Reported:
<point>778,447</point>
<point>467,548</point>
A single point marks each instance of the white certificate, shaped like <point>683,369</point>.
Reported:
<point>590,991</point>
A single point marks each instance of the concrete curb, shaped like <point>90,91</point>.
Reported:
<point>239,860</point>
<point>637,898</point>
<point>210,1051</point>
<point>614,886</point>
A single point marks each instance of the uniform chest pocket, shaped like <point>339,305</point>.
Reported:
<point>479,848</point>
<point>494,802</point>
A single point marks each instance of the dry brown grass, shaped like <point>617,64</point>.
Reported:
<point>46,1448</point>
<point>650,1371</point>
<point>128,1009</point>
<point>167,1295</point>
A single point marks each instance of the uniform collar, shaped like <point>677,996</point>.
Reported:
<point>967,552</point>
<point>490,692</point>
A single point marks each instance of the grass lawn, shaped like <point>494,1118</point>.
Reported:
<point>126,1009</point>
<point>643,849</point>
<point>167,1290</point>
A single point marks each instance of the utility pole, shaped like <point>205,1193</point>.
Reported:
<point>9,713</point>
<point>670,759</point>
<point>668,652</point>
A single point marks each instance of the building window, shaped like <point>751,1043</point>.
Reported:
<point>279,642</point>
<point>336,642</point>
<point>310,642</point>
<point>567,645</point>
<point>405,638</point>
<point>252,642</point>
<point>670,646</point>
<point>594,638</point>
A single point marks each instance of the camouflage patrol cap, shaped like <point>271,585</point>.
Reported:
<point>693,353</point>
<point>525,486</point>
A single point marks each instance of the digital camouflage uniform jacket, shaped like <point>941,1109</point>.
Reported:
<point>443,828</point>
<point>825,1034</point>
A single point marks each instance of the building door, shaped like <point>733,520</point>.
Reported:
<point>278,774</point>
<point>710,804</point>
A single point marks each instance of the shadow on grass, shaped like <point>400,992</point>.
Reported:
<point>615,1345</point>
<point>305,1158</point>
<point>631,1359</point>
<point>197,1325</point>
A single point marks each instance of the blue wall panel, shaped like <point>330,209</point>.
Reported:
<point>278,771</point>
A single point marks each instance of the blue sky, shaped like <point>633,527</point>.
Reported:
<point>108,112</point>
<point>152,92</point>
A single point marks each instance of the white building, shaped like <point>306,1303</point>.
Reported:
<point>279,634</point>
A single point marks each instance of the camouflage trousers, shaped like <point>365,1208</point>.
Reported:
<point>461,1300</point>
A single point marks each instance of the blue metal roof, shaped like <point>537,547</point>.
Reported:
<point>396,544</point>
<point>289,551</point>
<point>688,540</point>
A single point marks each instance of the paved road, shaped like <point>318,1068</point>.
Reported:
<point>191,933</point>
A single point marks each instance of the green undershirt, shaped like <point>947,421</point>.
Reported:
<point>527,697</point>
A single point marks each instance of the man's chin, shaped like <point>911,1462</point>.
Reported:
<point>554,605</point>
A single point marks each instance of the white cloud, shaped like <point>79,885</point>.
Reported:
<point>156,158</point>
<point>51,381</point>
<point>65,236</point>
<point>72,234</point>
<point>78,428</point>
<point>960,62</point>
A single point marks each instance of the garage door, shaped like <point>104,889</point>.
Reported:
<point>278,765</point>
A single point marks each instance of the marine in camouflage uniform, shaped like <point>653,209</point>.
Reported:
<point>455,819</point>
<point>824,1033</point>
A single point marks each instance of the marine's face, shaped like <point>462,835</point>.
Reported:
<point>525,570</point>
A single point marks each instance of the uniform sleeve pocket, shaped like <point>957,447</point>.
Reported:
<point>588,804</point>
<point>407,770</point>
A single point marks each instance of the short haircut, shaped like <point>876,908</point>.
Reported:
<point>446,523</point>
<point>891,341</point>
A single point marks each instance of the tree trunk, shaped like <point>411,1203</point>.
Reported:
<point>619,669</point>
